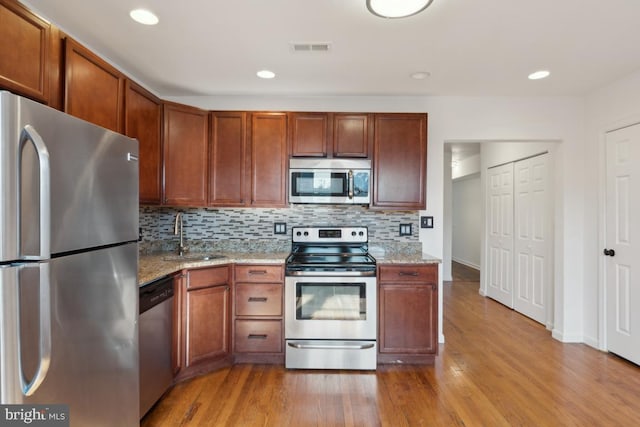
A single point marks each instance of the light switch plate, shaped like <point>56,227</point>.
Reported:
<point>426,222</point>
<point>405,229</point>
<point>279,228</point>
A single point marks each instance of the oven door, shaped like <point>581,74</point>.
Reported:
<point>330,308</point>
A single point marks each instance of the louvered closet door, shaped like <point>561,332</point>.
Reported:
<point>500,234</point>
<point>622,236</point>
<point>532,237</point>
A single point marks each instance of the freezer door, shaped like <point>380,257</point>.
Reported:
<point>93,359</point>
<point>88,174</point>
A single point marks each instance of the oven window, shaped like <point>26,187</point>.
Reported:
<point>319,183</point>
<point>331,301</point>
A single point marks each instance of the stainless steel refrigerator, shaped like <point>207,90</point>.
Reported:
<point>68,265</point>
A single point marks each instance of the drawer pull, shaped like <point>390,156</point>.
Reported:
<point>260,272</point>
<point>408,273</point>
<point>257,336</point>
<point>257,299</point>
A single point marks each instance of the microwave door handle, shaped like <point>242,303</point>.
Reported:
<point>350,184</point>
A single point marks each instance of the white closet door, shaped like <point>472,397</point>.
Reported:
<point>532,237</point>
<point>500,234</point>
<point>622,237</point>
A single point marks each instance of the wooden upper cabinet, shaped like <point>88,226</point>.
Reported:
<point>329,134</point>
<point>94,90</point>
<point>309,133</point>
<point>351,135</point>
<point>400,161</point>
<point>268,159</point>
<point>143,120</point>
<point>25,51</point>
<point>227,159</point>
<point>185,143</point>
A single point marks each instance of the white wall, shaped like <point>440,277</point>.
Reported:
<point>466,167</point>
<point>466,220</point>
<point>455,119</point>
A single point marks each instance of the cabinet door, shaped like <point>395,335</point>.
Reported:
<point>93,88</point>
<point>185,155</point>
<point>143,120</point>
<point>400,161</point>
<point>351,135</point>
<point>227,159</point>
<point>24,49</point>
<point>309,134</point>
<point>207,329</point>
<point>268,159</point>
<point>408,318</point>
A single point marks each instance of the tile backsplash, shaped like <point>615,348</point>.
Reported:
<point>251,229</point>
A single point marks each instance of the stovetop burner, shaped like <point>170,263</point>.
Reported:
<point>330,251</point>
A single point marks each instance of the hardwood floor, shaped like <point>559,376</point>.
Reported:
<point>497,368</point>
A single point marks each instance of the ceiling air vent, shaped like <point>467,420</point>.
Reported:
<point>310,47</point>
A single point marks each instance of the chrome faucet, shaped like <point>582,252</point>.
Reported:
<point>177,229</point>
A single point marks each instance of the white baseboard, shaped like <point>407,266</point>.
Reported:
<point>560,336</point>
<point>467,263</point>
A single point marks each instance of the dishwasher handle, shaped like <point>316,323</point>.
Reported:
<point>155,293</point>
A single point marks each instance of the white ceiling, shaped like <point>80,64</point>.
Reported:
<point>470,47</point>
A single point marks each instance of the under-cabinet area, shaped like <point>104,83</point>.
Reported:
<point>231,310</point>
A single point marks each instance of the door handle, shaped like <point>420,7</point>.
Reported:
<point>30,134</point>
<point>610,252</point>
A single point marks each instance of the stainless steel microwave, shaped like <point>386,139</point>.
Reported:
<point>331,181</point>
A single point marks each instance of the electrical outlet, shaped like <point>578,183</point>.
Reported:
<point>405,229</point>
<point>426,222</point>
<point>279,228</point>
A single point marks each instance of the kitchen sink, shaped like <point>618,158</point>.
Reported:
<point>193,257</point>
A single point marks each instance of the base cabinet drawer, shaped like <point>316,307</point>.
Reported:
<point>258,336</point>
<point>258,299</point>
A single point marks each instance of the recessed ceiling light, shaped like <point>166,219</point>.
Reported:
<point>421,75</point>
<point>266,74</point>
<point>539,75</point>
<point>397,9</point>
<point>144,16</point>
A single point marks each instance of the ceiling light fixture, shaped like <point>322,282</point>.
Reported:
<point>421,75</point>
<point>397,9</point>
<point>266,74</point>
<point>143,16</point>
<point>539,75</point>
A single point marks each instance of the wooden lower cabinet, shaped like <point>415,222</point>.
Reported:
<point>258,314</point>
<point>205,320</point>
<point>407,313</point>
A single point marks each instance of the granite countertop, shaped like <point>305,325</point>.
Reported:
<point>419,258</point>
<point>152,267</point>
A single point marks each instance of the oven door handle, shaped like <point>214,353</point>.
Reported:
<point>330,347</point>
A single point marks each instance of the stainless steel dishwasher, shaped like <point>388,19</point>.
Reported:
<point>155,329</point>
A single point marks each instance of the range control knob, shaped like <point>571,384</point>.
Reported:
<point>298,234</point>
<point>361,233</point>
<point>353,233</point>
<point>306,233</point>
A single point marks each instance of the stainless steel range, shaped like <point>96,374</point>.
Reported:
<point>330,300</point>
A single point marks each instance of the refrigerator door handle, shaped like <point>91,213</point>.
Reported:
<point>13,384</point>
<point>30,387</point>
<point>29,133</point>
